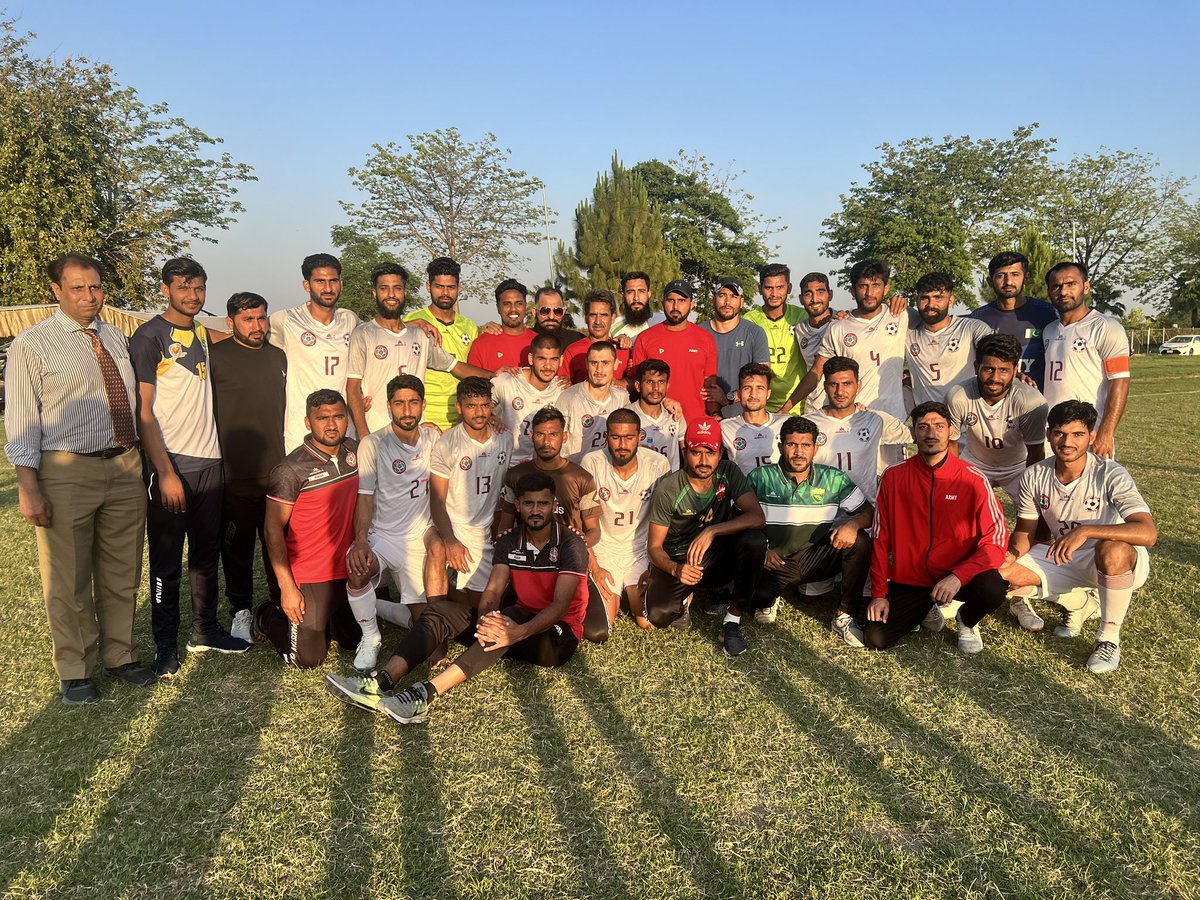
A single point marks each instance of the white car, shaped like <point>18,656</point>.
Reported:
<point>1182,345</point>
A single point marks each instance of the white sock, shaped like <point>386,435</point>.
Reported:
<point>1073,600</point>
<point>396,613</point>
<point>363,607</point>
<point>1116,593</point>
<point>730,617</point>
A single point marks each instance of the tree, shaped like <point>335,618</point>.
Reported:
<point>1182,302</point>
<point>1113,209</point>
<point>941,206</point>
<point>359,255</point>
<point>1042,258</point>
<point>619,230</point>
<point>85,166</point>
<point>708,222</point>
<point>445,197</point>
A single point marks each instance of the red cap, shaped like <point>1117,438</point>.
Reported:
<point>703,432</point>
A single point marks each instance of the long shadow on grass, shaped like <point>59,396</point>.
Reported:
<point>676,819</point>
<point>419,837</point>
<point>1040,818</point>
<point>351,846</point>
<point>48,762</point>
<point>596,866</point>
<point>164,823</point>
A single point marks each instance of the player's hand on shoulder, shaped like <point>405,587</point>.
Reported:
<point>491,328</point>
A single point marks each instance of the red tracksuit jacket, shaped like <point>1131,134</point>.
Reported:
<point>930,523</point>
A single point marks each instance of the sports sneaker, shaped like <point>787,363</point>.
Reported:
<point>735,644</point>
<point>367,653</point>
<point>766,615</point>
<point>684,622</point>
<point>1105,658</point>
<point>1074,619</point>
<point>219,641</point>
<point>934,621</point>
<point>1024,614</point>
<point>166,665</point>
<point>713,604</point>
<point>77,691</point>
<point>243,621</point>
<point>969,638</point>
<point>133,673</point>
<point>409,707</point>
<point>357,690</point>
<point>257,630</point>
<point>847,629</point>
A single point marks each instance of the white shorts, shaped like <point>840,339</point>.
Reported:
<point>625,565</point>
<point>1010,483</point>
<point>476,577</point>
<point>1079,572</point>
<point>404,556</point>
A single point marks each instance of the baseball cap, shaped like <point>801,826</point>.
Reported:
<point>679,286</point>
<point>703,432</point>
<point>733,284</point>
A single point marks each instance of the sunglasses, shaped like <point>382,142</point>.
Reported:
<point>551,311</point>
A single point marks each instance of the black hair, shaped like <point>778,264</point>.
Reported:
<point>652,367</point>
<point>624,416</point>
<point>1072,411</point>
<point>749,370</point>
<point>1004,347</point>
<point>870,268</point>
<point>388,268</point>
<point>511,284</point>
<point>773,269</point>
<point>634,276</point>
<point>242,301</point>
<point>599,295</point>
<point>443,265</point>
<point>55,269</point>
<point>534,483</point>
<point>545,339</point>
<point>930,406</point>
<point>814,276</point>
<point>933,282</point>
<point>798,425</point>
<point>323,397</point>
<point>1054,270</point>
<point>836,364</point>
<point>602,345</point>
<point>548,414</point>
<point>405,383</point>
<point>183,267</point>
<point>473,386</point>
<point>1006,259</point>
<point>319,261</point>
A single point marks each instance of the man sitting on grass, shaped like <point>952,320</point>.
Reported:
<point>545,564</point>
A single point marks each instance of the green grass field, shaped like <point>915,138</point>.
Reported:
<point>650,767</point>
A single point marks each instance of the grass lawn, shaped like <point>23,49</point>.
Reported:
<point>650,767</point>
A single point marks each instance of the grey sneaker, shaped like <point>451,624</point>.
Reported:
<point>409,707</point>
<point>1074,619</point>
<point>969,638</point>
<point>1105,658</point>
<point>357,690</point>
<point>766,615</point>
<point>934,621</point>
<point>1024,614</point>
<point>243,620</point>
<point>847,629</point>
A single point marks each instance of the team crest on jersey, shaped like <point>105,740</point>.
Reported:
<point>308,339</point>
<point>822,439</point>
<point>588,420</point>
<point>518,403</point>
<point>399,466</point>
<point>971,420</point>
<point>381,352</point>
<point>465,463</point>
<point>804,344</point>
<point>720,492</point>
<point>351,458</point>
<point>851,340</point>
<point>864,434</point>
<point>604,493</point>
<point>892,328</point>
<point>1079,345</point>
<point>553,554</point>
<point>952,345</point>
<point>740,443</point>
<point>914,349</point>
<point>818,493</point>
<point>175,350</point>
<point>1091,504</point>
<point>1044,501</point>
<point>642,436</point>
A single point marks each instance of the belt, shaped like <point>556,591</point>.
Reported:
<point>108,453</point>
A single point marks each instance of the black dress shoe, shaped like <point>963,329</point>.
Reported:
<point>133,673</point>
<point>76,691</point>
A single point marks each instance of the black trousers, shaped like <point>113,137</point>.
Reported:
<point>200,525</point>
<point>446,619</point>
<point>733,565</point>
<point>817,562</point>
<point>596,627</point>
<point>908,605</point>
<point>327,618</point>
<point>243,512</point>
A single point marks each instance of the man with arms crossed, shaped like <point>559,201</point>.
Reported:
<point>705,537</point>
<point>1012,313</point>
<point>688,349</point>
<point>316,339</point>
<point>941,349</point>
<point>1100,525</point>
<point>1087,354</point>
<point>802,501</point>
<point>778,319</point>
<point>508,346</point>
<point>69,400</point>
<point>752,438</point>
<point>310,525</point>
<point>1002,421</point>
<point>586,405</point>
<point>939,536</point>
<point>457,333</point>
<point>392,527</point>
<point>518,396</point>
<point>545,564</point>
<point>624,480</point>
<point>661,431</point>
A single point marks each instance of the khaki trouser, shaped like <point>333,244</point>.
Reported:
<point>91,557</point>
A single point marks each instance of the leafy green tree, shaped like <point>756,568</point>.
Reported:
<point>944,205</point>
<point>359,255</point>
<point>709,223</point>
<point>619,230</point>
<point>1182,302</point>
<point>447,197</point>
<point>1042,258</point>
<point>85,166</point>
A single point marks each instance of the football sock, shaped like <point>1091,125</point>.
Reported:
<point>730,617</point>
<point>396,613</point>
<point>362,604</point>
<point>1116,593</point>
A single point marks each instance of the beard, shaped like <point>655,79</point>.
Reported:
<point>637,317</point>
<point>391,314</point>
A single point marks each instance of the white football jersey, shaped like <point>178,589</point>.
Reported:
<point>378,355</point>
<point>809,338</point>
<point>877,345</point>
<point>515,402</point>
<point>624,505</point>
<point>398,475</point>
<point>1105,494</point>
<point>939,360</point>
<point>316,355</point>
<point>751,446</point>
<point>476,474</point>
<point>662,434</point>
<point>862,445</point>
<point>994,436</point>
<point>1082,358</point>
<point>587,418</point>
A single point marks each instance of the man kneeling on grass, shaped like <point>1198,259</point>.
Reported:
<point>545,564</point>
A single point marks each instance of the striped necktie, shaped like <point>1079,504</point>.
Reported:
<point>118,399</point>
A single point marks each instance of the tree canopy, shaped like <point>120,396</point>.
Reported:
<point>87,167</point>
<point>359,255</point>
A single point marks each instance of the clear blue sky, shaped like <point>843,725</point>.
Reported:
<point>798,94</point>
